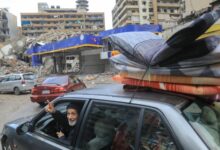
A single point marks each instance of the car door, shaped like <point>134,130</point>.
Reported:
<point>112,126</point>
<point>155,133</point>
<point>4,83</point>
<point>11,83</point>
<point>45,128</point>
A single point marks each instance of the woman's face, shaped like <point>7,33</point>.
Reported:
<point>72,116</point>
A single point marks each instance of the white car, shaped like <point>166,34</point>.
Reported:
<point>17,83</point>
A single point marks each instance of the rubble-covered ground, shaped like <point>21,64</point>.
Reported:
<point>92,80</point>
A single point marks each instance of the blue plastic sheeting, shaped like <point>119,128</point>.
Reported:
<point>71,42</point>
<point>131,28</point>
<point>36,60</point>
<point>26,22</point>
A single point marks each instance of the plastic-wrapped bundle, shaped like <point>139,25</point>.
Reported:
<point>150,50</point>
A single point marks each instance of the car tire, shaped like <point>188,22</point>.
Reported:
<point>7,146</point>
<point>17,91</point>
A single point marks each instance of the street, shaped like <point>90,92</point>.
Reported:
<point>13,107</point>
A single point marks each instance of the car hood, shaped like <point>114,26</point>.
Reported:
<point>19,121</point>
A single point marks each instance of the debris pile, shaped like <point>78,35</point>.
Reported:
<point>93,79</point>
<point>14,66</point>
<point>50,37</point>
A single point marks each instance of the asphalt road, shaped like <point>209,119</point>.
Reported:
<point>13,107</point>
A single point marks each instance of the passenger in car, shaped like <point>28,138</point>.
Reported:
<point>66,124</point>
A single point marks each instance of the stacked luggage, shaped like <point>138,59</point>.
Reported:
<point>183,63</point>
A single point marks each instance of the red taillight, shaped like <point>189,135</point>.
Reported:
<point>59,90</point>
<point>33,90</point>
<point>23,82</point>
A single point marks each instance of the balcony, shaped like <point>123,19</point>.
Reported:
<point>169,5</point>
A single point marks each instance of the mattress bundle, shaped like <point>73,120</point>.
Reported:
<point>183,63</point>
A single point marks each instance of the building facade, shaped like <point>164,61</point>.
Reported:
<point>192,6</point>
<point>61,19</point>
<point>130,12</point>
<point>164,12</point>
<point>8,25</point>
<point>215,4</point>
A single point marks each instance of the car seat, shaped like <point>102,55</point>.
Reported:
<point>210,122</point>
<point>104,132</point>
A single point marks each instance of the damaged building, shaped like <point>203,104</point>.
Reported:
<point>8,25</point>
<point>78,55</point>
<point>81,54</point>
<point>57,19</point>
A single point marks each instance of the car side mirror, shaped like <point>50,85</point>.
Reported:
<point>24,128</point>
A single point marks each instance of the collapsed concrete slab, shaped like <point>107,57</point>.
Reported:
<point>7,50</point>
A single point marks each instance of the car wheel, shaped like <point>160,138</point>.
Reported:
<point>42,104</point>
<point>17,91</point>
<point>7,146</point>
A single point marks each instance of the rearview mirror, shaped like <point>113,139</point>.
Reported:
<point>24,128</point>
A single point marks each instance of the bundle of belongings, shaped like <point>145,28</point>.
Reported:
<point>183,63</point>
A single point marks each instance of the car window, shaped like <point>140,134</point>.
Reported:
<point>48,125</point>
<point>29,76</point>
<point>110,127</point>
<point>56,80</point>
<point>44,122</point>
<point>206,122</point>
<point>17,77</point>
<point>154,134</point>
<point>11,78</point>
<point>5,79</point>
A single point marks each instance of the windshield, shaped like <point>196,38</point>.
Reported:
<point>62,80</point>
<point>205,120</point>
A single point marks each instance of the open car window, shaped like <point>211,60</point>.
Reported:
<point>49,125</point>
<point>205,121</point>
<point>46,123</point>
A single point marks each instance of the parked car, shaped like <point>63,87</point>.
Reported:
<point>55,86</point>
<point>111,118</point>
<point>17,83</point>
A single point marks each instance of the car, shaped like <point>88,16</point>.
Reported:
<point>17,83</point>
<point>55,86</point>
<point>112,117</point>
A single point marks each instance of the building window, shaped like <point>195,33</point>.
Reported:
<point>144,17</point>
<point>144,10</point>
<point>171,10</point>
<point>144,3</point>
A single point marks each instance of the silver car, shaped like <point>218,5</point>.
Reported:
<point>17,83</point>
<point>115,119</point>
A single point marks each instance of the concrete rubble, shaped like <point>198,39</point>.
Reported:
<point>49,37</point>
<point>14,66</point>
<point>92,80</point>
<point>12,52</point>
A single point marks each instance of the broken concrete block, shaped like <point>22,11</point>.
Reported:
<point>1,55</point>
<point>20,43</point>
<point>7,49</point>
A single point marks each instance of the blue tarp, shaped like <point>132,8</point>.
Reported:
<point>36,61</point>
<point>71,42</point>
<point>131,28</point>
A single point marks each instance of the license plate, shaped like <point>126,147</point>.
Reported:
<point>46,92</point>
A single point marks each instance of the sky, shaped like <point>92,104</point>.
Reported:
<point>22,6</point>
